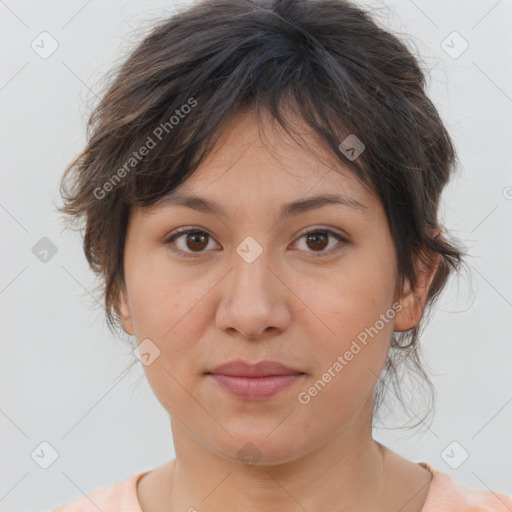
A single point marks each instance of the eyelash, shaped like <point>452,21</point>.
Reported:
<point>184,231</point>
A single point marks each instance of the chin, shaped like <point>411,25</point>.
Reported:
<point>259,449</point>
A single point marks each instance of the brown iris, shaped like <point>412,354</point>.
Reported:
<point>197,240</point>
<point>319,240</point>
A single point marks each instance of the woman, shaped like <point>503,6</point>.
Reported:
<point>260,189</point>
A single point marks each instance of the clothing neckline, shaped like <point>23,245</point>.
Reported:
<point>135,504</point>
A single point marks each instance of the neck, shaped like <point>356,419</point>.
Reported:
<point>346,474</point>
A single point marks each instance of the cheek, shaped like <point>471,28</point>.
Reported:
<point>353,337</point>
<point>173,314</point>
<point>171,310</point>
<point>163,299</point>
<point>348,362</point>
<point>351,298</point>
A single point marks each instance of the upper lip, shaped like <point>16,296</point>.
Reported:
<point>265,368</point>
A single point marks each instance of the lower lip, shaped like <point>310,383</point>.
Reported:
<point>256,388</point>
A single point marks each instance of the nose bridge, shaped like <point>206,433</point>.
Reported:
<point>251,279</point>
<point>252,299</point>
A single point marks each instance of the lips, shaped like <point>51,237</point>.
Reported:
<point>239,368</point>
<point>255,381</point>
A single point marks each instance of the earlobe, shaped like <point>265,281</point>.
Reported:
<point>413,301</point>
<point>410,312</point>
<point>123,311</point>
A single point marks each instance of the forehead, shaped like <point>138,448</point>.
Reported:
<point>254,156</point>
<point>256,171</point>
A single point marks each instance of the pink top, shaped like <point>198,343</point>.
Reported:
<point>445,495</point>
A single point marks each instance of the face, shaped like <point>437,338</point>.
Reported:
<point>313,289</point>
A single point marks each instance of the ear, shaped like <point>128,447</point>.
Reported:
<point>123,310</point>
<point>413,301</point>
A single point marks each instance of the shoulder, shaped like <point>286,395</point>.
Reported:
<point>449,495</point>
<point>119,496</point>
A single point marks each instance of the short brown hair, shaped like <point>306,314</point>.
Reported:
<point>329,62</point>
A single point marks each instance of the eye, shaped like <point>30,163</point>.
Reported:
<point>193,242</point>
<point>318,239</point>
<point>194,239</point>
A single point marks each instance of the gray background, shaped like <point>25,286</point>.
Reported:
<point>62,373</point>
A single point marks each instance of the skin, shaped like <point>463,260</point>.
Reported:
<point>289,305</point>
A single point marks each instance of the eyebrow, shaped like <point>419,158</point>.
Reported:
<point>287,209</point>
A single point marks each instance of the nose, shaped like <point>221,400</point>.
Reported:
<point>254,301</point>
